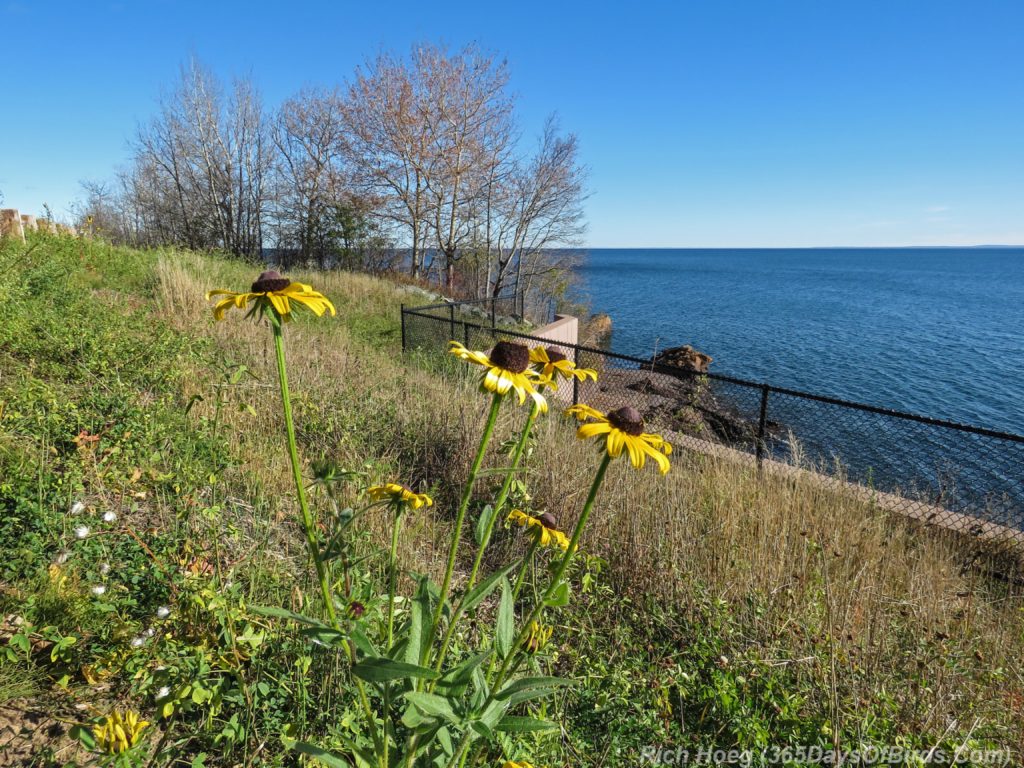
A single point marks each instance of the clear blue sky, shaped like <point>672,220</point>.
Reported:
<point>703,122</point>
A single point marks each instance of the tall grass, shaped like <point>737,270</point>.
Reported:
<point>860,602</point>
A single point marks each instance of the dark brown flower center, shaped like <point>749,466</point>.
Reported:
<point>356,609</point>
<point>511,357</point>
<point>270,281</point>
<point>627,419</point>
<point>554,355</point>
<point>548,521</point>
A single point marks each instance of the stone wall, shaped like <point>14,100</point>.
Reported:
<point>14,224</point>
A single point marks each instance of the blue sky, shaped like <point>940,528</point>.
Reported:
<point>703,123</point>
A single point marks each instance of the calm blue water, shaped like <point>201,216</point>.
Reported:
<point>932,331</point>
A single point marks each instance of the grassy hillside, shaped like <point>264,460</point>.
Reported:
<point>710,608</point>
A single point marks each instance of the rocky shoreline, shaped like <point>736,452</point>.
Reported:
<point>676,394</point>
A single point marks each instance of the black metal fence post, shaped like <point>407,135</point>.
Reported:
<point>465,334</point>
<point>762,422</point>
<point>979,485</point>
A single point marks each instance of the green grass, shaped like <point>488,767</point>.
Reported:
<point>712,609</point>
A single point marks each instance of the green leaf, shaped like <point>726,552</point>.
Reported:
<point>504,630</point>
<point>432,705</point>
<point>493,715</point>
<point>85,736</point>
<point>380,669</point>
<point>560,595</point>
<point>528,688</point>
<point>419,616</point>
<point>364,759</point>
<point>325,636</point>
<point>284,613</point>
<point>514,724</point>
<point>362,642</point>
<point>445,739</point>
<point>485,587</point>
<point>483,524</point>
<point>461,674</point>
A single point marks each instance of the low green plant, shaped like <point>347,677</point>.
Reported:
<point>431,691</point>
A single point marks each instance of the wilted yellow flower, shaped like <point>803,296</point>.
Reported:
<point>554,364</point>
<point>272,290</point>
<point>625,429</point>
<point>508,368</point>
<point>119,733</point>
<point>399,494</point>
<point>544,526</point>
<point>538,637</point>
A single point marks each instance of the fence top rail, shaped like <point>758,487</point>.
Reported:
<point>457,303</point>
<point>970,428</point>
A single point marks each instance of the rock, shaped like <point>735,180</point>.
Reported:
<point>686,357</point>
<point>596,331</point>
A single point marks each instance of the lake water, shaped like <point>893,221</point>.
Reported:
<point>938,332</point>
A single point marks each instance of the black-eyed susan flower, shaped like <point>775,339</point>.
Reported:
<point>554,365</point>
<point>625,430</point>
<point>537,638</point>
<point>119,732</point>
<point>544,528</point>
<point>399,495</point>
<point>507,368</point>
<point>273,291</point>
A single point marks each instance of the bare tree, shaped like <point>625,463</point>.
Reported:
<point>200,166</point>
<point>388,146</point>
<point>307,136</point>
<point>469,122</point>
<point>534,210</point>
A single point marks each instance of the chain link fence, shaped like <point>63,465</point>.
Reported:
<point>959,477</point>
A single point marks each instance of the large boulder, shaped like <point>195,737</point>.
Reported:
<point>686,357</point>
<point>596,331</point>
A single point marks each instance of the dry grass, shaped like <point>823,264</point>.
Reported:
<point>807,567</point>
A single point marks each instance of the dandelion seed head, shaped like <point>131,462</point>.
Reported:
<point>77,508</point>
<point>81,531</point>
<point>99,589</point>
<point>149,632</point>
<point>62,557</point>
<point>138,642</point>
<point>104,568</point>
<point>163,612</point>
<point>109,517</point>
<point>163,693</point>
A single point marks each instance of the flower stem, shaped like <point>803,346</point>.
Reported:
<point>563,566</point>
<point>293,452</point>
<point>393,576</point>
<point>307,518</point>
<point>460,517</point>
<point>521,577</point>
<point>502,497</point>
<point>499,503</point>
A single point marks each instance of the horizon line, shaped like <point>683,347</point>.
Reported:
<point>780,247</point>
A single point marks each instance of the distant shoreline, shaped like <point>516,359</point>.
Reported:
<point>797,248</point>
